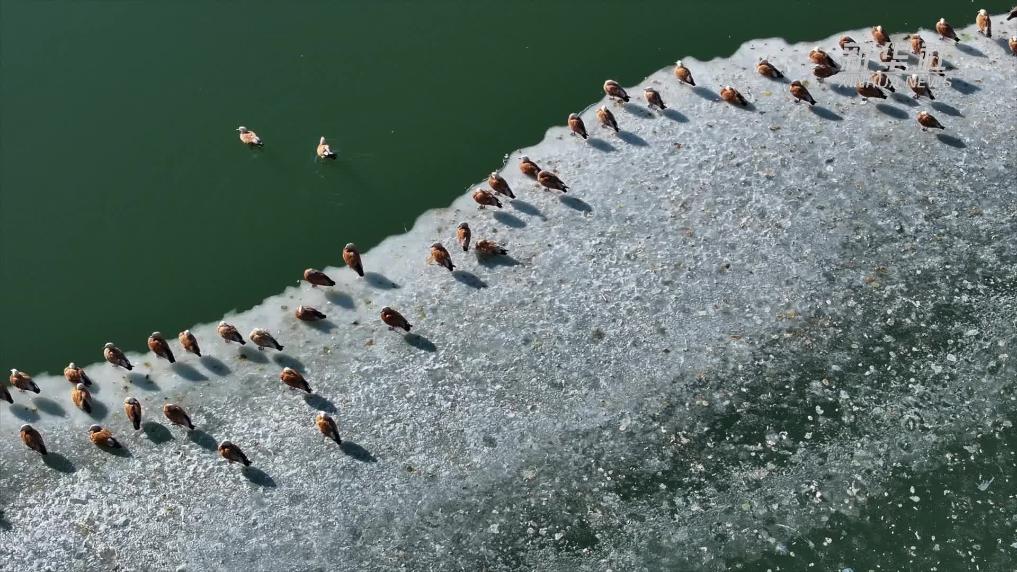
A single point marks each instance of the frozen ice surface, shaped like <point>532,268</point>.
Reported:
<point>737,326</point>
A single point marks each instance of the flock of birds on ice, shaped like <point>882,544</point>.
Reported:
<point>825,67</point>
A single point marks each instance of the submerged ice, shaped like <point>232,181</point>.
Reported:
<point>745,336</point>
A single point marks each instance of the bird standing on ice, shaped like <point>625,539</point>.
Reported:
<point>102,437</point>
<point>23,381</point>
<point>606,118</point>
<point>549,180</point>
<point>351,256</point>
<point>249,137</point>
<point>945,31</point>
<point>882,80</point>
<point>490,248</point>
<point>653,98</point>
<point>293,379</point>
<point>733,96</point>
<point>919,87</point>
<point>76,375</point>
<point>528,167</point>
<point>132,408</point>
<point>927,121</point>
<point>309,314</point>
<point>263,339</point>
<point>984,23</point>
<point>819,57</point>
<point>486,198</point>
<point>867,90</point>
<point>766,69</point>
<point>577,126</point>
<point>159,347</point>
<point>682,73</point>
<point>177,416</point>
<point>880,36</point>
<point>82,398</point>
<point>917,45</point>
<point>463,234</point>
<point>233,454</point>
<point>327,426</point>
<point>499,185</point>
<point>615,91</point>
<point>317,278</point>
<point>32,439</point>
<point>1013,45</point>
<point>800,93</point>
<point>190,343</point>
<point>115,356</point>
<point>394,319</point>
<point>439,255</point>
<point>229,333</point>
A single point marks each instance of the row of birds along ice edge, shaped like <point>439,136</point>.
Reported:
<point>776,70</point>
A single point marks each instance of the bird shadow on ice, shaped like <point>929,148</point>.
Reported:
<point>258,477</point>
<point>509,219</point>
<point>420,342</point>
<point>320,403</point>
<point>970,50</point>
<point>142,381</point>
<point>255,355</point>
<point>468,278</point>
<point>188,372</point>
<point>892,111</point>
<point>156,432</point>
<point>203,440</point>
<point>638,111</point>
<point>325,326</point>
<point>286,360</point>
<point>575,203</point>
<point>950,140</point>
<point>121,451</point>
<point>49,407</point>
<point>215,365</point>
<point>600,144</point>
<point>4,523</point>
<point>495,261</point>
<point>946,109</point>
<point>632,139</point>
<point>527,208</point>
<point>825,113</point>
<point>843,90</point>
<point>58,462</point>
<point>99,411</point>
<point>357,452</point>
<point>706,93</point>
<point>21,412</point>
<point>341,299</point>
<point>964,87</point>
<point>905,99</point>
<point>675,115</point>
<point>1003,44</point>
<point>379,281</point>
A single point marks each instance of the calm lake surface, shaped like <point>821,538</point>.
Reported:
<point>130,206</point>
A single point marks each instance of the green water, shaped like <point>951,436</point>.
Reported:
<point>128,204</point>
